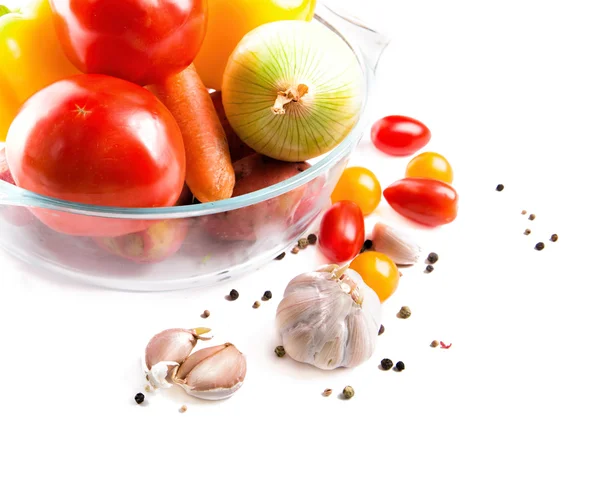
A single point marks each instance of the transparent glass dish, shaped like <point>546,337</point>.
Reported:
<point>198,244</point>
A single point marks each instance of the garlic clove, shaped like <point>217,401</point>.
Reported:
<point>170,345</point>
<point>212,373</point>
<point>399,246</point>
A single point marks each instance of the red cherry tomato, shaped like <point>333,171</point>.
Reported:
<point>137,40</point>
<point>99,140</point>
<point>399,135</point>
<point>342,231</point>
<point>426,201</point>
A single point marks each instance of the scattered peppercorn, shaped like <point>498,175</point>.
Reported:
<point>527,232</point>
<point>523,212</point>
<point>404,313</point>
<point>302,243</point>
<point>268,295</point>
<point>233,294</point>
<point>554,237</point>
<point>367,245</point>
<point>387,364</point>
<point>312,239</point>
<point>295,250</point>
<point>327,392</point>
<point>348,392</point>
<point>399,366</point>
<point>256,305</point>
<point>435,343</point>
<point>500,187</point>
<point>139,398</point>
<point>429,268</point>
<point>280,351</point>
<point>432,257</point>
<point>183,409</point>
<point>539,246</point>
<point>281,256</point>
<point>206,314</point>
<point>531,217</point>
<point>381,330</point>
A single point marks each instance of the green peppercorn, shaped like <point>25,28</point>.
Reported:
<point>268,295</point>
<point>387,364</point>
<point>280,351</point>
<point>399,366</point>
<point>539,246</point>
<point>312,239</point>
<point>139,398</point>
<point>433,257</point>
<point>348,392</point>
<point>302,243</point>
<point>234,294</point>
<point>404,313</point>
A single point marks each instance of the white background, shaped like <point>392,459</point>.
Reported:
<point>510,91</point>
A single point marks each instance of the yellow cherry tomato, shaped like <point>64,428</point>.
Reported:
<point>378,271</point>
<point>430,165</point>
<point>360,186</point>
<point>230,20</point>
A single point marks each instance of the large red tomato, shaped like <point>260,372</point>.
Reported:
<point>99,140</point>
<point>138,40</point>
<point>426,201</point>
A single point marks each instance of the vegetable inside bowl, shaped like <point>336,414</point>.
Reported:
<point>251,228</point>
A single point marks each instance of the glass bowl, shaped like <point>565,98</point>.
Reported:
<point>198,244</point>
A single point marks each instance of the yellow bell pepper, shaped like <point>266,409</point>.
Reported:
<point>31,58</point>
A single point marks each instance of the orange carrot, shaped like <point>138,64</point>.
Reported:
<point>209,172</point>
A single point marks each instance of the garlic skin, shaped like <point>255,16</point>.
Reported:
<point>329,318</point>
<point>212,373</point>
<point>399,246</point>
<point>159,375</point>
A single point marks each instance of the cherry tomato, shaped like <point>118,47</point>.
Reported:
<point>137,40</point>
<point>430,165</point>
<point>359,185</point>
<point>99,140</point>
<point>342,231</point>
<point>426,201</point>
<point>400,135</point>
<point>378,271</point>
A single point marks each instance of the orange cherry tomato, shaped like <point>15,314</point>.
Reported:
<point>360,186</point>
<point>378,271</point>
<point>430,165</point>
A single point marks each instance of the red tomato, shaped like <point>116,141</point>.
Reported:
<point>342,231</point>
<point>137,40</point>
<point>426,201</point>
<point>399,135</point>
<point>99,140</point>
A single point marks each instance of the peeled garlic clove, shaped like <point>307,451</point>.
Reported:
<point>170,345</point>
<point>212,373</point>
<point>160,375</point>
<point>399,246</point>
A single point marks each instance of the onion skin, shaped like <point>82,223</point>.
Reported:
<point>292,90</point>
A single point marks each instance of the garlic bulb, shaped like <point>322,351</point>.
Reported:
<point>212,373</point>
<point>399,246</point>
<point>329,318</point>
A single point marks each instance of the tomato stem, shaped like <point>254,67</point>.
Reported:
<point>292,94</point>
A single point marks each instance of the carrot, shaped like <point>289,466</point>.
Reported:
<point>209,172</point>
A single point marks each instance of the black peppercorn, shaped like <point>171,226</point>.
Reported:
<point>387,364</point>
<point>280,256</point>
<point>139,398</point>
<point>367,245</point>
<point>432,257</point>
<point>429,268</point>
<point>539,246</point>
<point>381,330</point>
<point>312,239</point>
<point>234,294</point>
<point>500,187</point>
<point>554,237</point>
<point>267,295</point>
<point>399,366</point>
